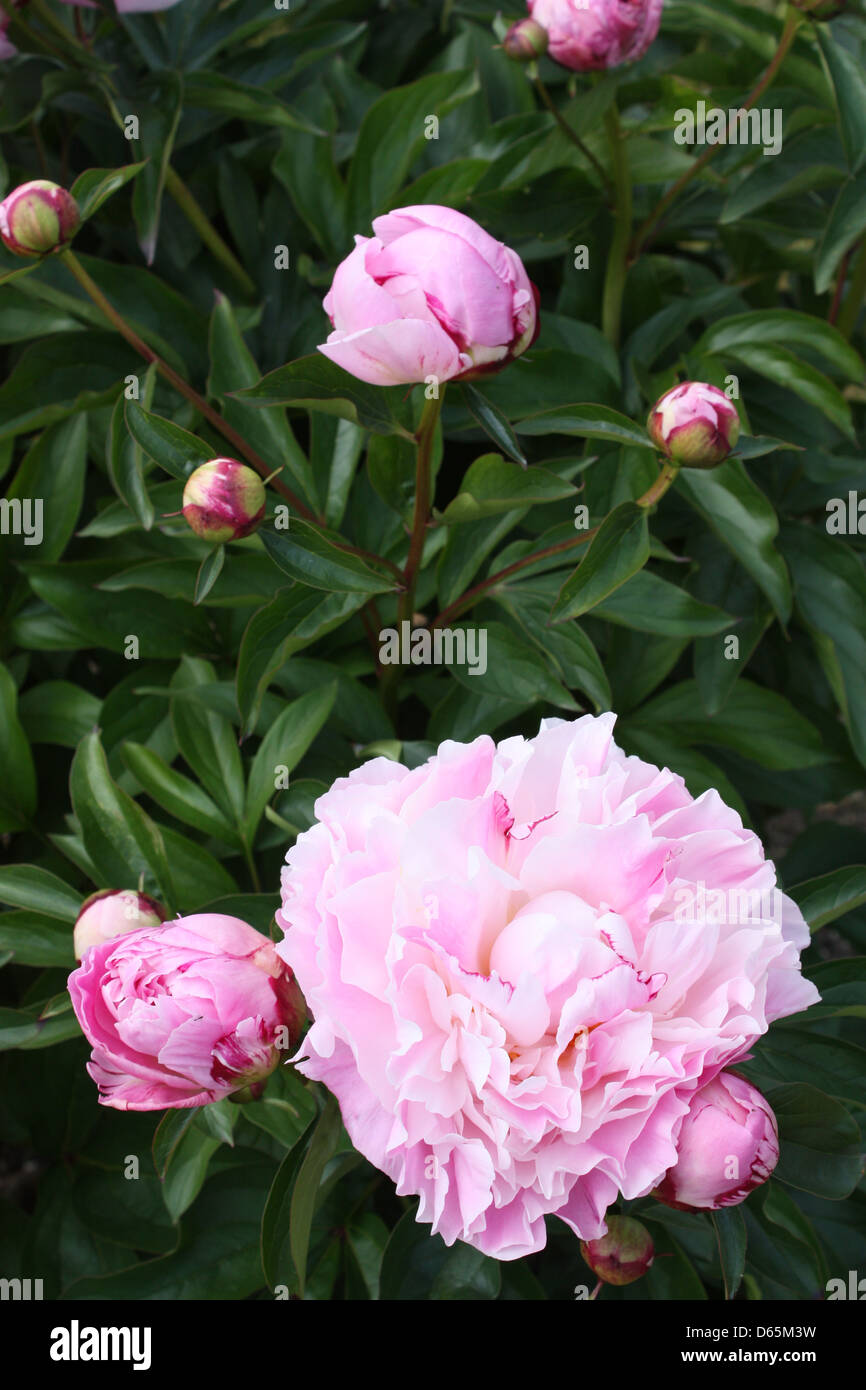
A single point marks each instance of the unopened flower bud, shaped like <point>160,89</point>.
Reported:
<point>728,1144</point>
<point>223,500</point>
<point>112,913</point>
<point>694,425</point>
<point>525,41</point>
<point>38,217</point>
<point>623,1255</point>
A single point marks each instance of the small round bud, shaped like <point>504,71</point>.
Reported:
<point>623,1255</point>
<point>37,218</point>
<point>223,500</point>
<point>111,913</point>
<point>728,1144</point>
<point>525,41</point>
<point>694,425</point>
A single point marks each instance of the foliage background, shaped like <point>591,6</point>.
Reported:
<point>294,130</point>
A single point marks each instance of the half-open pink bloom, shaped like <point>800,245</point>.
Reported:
<point>430,295</point>
<point>588,34</point>
<point>728,1145</point>
<point>520,968</point>
<point>184,1013</point>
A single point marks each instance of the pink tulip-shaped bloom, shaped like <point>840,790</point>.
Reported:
<point>430,295</point>
<point>694,424</point>
<point>589,34</point>
<point>515,978</point>
<point>727,1145</point>
<point>185,1013</point>
<point>109,913</point>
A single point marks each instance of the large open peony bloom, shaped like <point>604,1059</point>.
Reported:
<point>431,294</point>
<point>516,981</point>
<point>591,34</point>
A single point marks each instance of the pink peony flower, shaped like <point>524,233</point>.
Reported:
<point>694,424</point>
<point>7,47</point>
<point>110,913</point>
<point>727,1145</point>
<point>431,294</point>
<point>515,982</point>
<point>185,1013</point>
<point>588,34</point>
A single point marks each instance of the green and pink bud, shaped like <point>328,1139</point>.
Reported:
<point>37,218</point>
<point>728,1145</point>
<point>694,425</point>
<point>525,41</point>
<point>223,501</point>
<point>111,913</point>
<point>623,1255</point>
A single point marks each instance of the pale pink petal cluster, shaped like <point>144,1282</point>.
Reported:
<point>590,34</point>
<point>431,294</point>
<point>185,1013</point>
<point>515,985</point>
<point>728,1145</point>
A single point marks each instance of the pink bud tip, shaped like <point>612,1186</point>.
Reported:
<point>223,500</point>
<point>37,218</point>
<point>695,425</point>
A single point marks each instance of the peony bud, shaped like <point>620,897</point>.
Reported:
<point>623,1255</point>
<point>694,425</point>
<point>728,1144</point>
<point>38,217</point>
<point>111,913</point>
<point>223,500</point>
<point>185,1013</point>
<point>525,41</point>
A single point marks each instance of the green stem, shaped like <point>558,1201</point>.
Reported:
<point>653,494</point>
<point>850,310</point>
<point>647,227</point>
<point>425,436</point>
<point>213,417</point>
<point>199,219</point>
<point>568,131</point>
<point>617,262</point>
<point>251,865</point>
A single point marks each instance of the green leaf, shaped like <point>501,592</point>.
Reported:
<point>207,741</point>
<point>287,1108</point>
<point>186,1170</point>
<point>35,889</point>
<point>845,225</point>
<point>167,1135</point>
<point>122,841</point>
<point>173,448</point>
<point>209,572</point>
<point>820,1143</point>
<point>589,422</point>
<point>176,794</point>
<point>305,1193</point>
<point>745,521</point>
<point>493,422</point>
<point>830,593</point>
<point>849,86</point>
<point>126,462</point>
<point>648,603</point>
<point>566,646</point>
<point>18,783</point>
<point>417,1265</point>
<point>95,186</point>
<point>618,550</point>
<point>52,475</point>
<point>730,1231</point>
<point>491,485</point>
<point>312,557</point>
<point>821,900</point>
<point>835,1066</point>
<point>756,723</point>
<point>783,328</point>
<point>319,384</point>
<point>215,91</point>
<point>504,665</point>
<point>158,119</point>
<point>283,746</point>
<point>277,1214</point>
<point>36,940</point>
<point>392,134</point>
